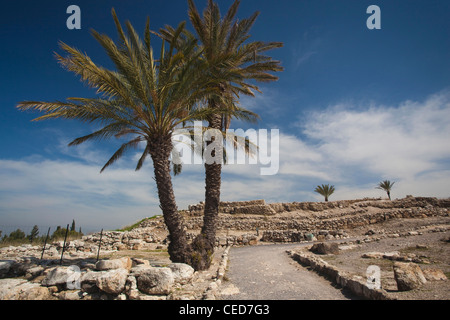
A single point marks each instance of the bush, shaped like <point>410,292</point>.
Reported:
<point>60,233</point>
<point>15,237</point>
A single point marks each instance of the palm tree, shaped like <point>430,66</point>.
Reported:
<point>232,64</point>
<point>325,190</point>
<point>386,185</point>
<point>144,99</point>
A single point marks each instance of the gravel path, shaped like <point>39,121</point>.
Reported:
<point>267,273</point>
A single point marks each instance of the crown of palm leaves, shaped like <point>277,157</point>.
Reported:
<point>144,97</point>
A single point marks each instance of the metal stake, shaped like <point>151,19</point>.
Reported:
<point>64,245</point>
<point>45,243</point>
<point>99,244</point>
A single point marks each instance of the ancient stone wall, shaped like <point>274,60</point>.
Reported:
<point>315,217</point>
<point>250,218</point>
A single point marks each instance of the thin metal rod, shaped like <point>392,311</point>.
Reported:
<point>64,245</point>
<point>45,243</point>
<point>99,244</point>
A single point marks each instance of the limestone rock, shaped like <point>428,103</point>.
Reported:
<point>182,272</point>
<point>433,274</point>
<point>32,291</point>
<point>325,248</point>
<point>408,276</point>
<point>6,285</point>
<point>394,255</point>
<point>34,272</point>
<point>58,276</point>
<point>20,289</point>
<point>71,295</point>
<point>372,255</point>
<point>131,289</point>
<point>138,261</point>
<point>113,281</point>
<point>5,266</point>
<point>156,281</point>
<point>124,263</point>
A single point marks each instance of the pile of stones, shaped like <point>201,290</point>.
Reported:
<point>119,279</point>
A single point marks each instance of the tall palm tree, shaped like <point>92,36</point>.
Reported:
<point>386,185</point>
<point>232,63</point>
<point>145,99</point>
<point>325,190</point>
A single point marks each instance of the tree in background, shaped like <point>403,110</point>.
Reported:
<point>72,228</point>
<point>15,236</point>
<point>325,190</point>
<point>33,234</point>
<point>386,185</point>
<point>60,233</point>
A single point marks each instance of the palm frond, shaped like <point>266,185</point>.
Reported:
<point>325,190</point>
<point>143,96</point>
<point>119,153</point>
<point>107,132</point>
<point>385,185</point>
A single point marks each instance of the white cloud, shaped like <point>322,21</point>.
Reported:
<point>399,142</point>
<point>354,148</point>
<point>51,192</point>
<point>348,146</point>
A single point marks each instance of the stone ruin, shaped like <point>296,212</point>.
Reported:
<point>239,223</point>
<point>247,222</point>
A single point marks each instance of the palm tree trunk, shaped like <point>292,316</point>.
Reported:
<point>178,249</point>
<point>203,244</point>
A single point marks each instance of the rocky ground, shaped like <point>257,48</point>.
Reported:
<point>428,246</point>
<point>370,232</point>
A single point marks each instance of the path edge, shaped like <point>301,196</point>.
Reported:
<point>354,283</point>
<point>212,292</point>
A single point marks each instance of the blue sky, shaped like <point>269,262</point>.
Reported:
<point>354,106</point>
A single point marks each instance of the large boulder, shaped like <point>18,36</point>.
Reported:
<point>182,272</point>
<point>325,248</point>
<point>5,266</point>
<point>60,276</point>
<point>408,276</point>
<point>6,285</point>
<point>113,281</point>
<point>124,263</point>
<point>20,289</point>
<point>34,272</point>
<point>157,281</point>
<point>32,291</point>
<point>88,280</point>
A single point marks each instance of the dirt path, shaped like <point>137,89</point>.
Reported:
<point>267,273</point>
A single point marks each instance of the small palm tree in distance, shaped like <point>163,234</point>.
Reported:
<point>386,185</point>
<point>325,190</point>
